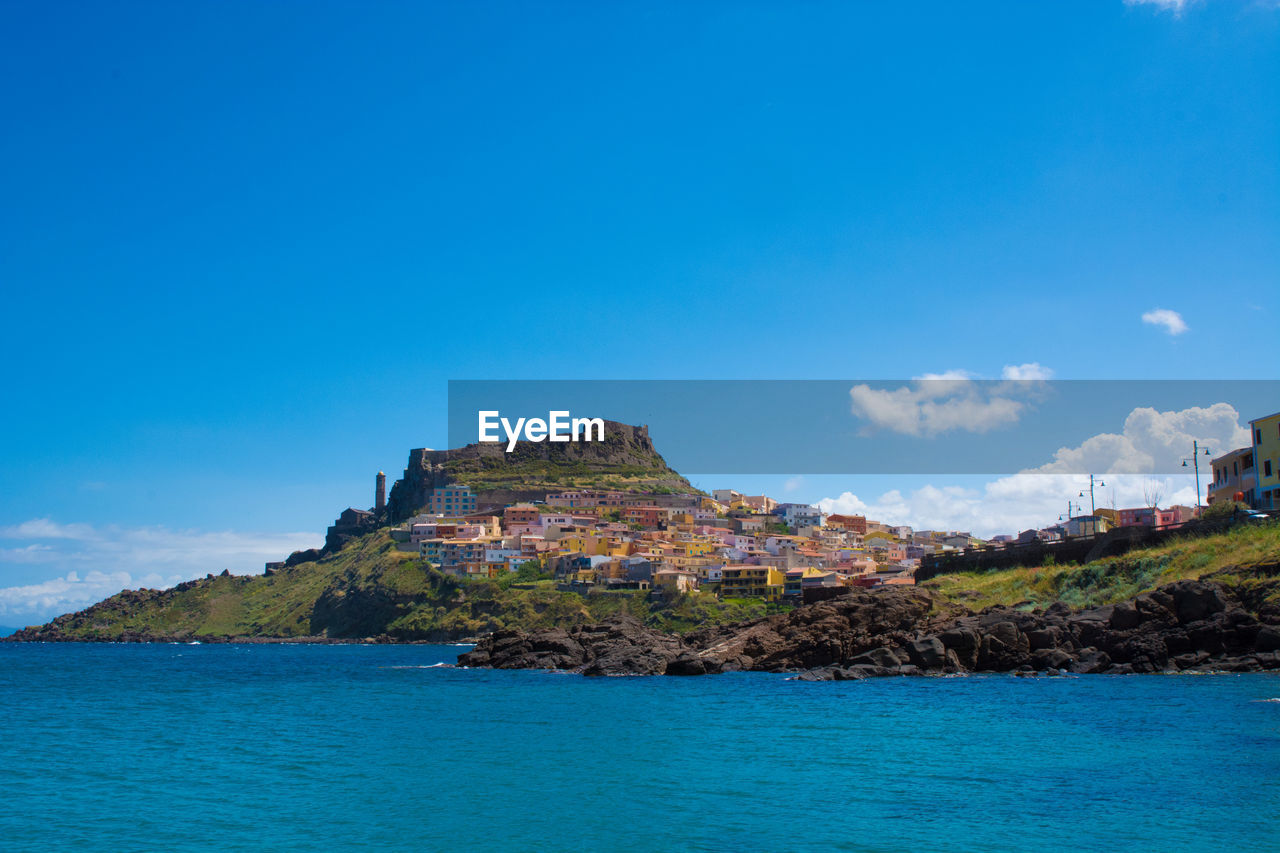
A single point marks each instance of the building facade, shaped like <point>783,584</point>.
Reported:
<point>1266,461</point>
<point>1233,473</point>
<point>452,500</point>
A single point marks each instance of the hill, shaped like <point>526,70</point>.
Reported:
<point>371,589</point>
<point>368,589</point>
<point>625,461</point>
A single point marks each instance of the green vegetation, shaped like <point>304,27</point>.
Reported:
<point>370,588</point>
<point>1225,509</point>
<point>612,464</point>
<point>1229,557</point>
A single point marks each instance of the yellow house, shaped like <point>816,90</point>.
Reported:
<point>590,545</point>
<point>1266,460</point>
<point>615,547</point>
<point>752,582</point>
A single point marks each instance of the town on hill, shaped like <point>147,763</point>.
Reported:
<point>477,515</point>
<point>470,541</point>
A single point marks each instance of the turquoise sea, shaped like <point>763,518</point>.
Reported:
<point>271,747</point>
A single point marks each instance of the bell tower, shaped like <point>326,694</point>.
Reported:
<point>380,492</point>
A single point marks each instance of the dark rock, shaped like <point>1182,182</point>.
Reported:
<point>687,664</point>
<point>1267,639</point>
<point>884,657</point>
<point>1050,637</point>
<point>1090,661</point>
<point>927,653</point>
<point>1195,600</point>
<point>1004,647</point>
<point>905,631</point>
<point>1125,617</point>
<point>1050,659</point>
<point>1190,659</point>
<point>964,643</point>
<point>824,674</point>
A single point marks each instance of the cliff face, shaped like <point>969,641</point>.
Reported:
<point>625,460</point>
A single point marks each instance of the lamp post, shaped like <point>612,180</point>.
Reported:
<point>1093,507</point>
<point>1195,462</point>
<point>1067,517</point>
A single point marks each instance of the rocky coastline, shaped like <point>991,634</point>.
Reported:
<point>1188,626</point>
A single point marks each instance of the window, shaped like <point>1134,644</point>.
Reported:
<point>1266,467</point>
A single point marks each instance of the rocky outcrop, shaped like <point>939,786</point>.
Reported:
<point>619,646</point>
<point>627,451</point>
<point>1188,625</point>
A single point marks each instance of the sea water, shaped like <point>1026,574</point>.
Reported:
<point>286,747</point>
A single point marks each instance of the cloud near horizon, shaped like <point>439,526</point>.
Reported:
<point>1150,440</point>
<point>1007,504</point>
<point>1154,441</point>
<point>93,563</point>
<point>1171,320</point>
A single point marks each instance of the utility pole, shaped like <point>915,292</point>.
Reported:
<point>1067,517</point>
<point>1195,462</point>
<point>1093,507</point>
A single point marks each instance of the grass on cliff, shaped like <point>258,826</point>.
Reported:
<point>279,605</point>
<point>370,588</point>
<point>1114,579</point>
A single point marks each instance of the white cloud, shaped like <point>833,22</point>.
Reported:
<point>1028,371</point>
<point>792,484</point>
<point>1007,504</point>
<point>938,403</point>
<point>946,376</point>
<point>115,558</point>
<point>1151,441</point>
<point>1154,441</point>
<point>43,528</point>
<point>1171,320</point>
<point>1174,6</point>
<point>35,603</point>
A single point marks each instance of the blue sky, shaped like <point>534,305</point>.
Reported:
<point>244,246</point>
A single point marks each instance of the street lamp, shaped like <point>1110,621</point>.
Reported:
<point>1195,462</point>
<point>1093,508</point>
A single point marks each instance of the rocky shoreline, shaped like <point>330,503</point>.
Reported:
<point>1195,626</point>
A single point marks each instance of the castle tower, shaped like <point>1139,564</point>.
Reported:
<point>380,493</point>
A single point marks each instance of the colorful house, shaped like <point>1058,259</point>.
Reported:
<point>452,500</point>
<point>1233,473</point>
<point>1266,461</point>
<point>742,581</point>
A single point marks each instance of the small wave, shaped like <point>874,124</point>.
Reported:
<point>421,666</point>
<point>1267,700</point>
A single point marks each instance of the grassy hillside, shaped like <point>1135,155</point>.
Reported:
<point>368,589</point>
<point>1229,557</point>
<point>486,474</point>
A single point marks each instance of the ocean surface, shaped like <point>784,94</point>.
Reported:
<point>271,747</point>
